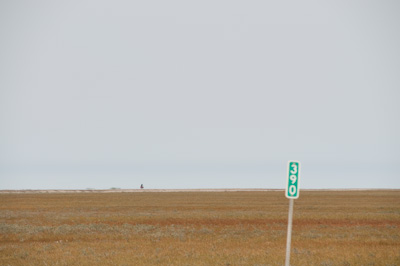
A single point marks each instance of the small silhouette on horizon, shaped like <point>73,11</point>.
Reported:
<point>141,186</point>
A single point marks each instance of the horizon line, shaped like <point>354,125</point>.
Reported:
<point>117,190</point>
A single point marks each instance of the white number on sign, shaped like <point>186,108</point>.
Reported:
<point>292,189</point>
<point>294,170</point>
<point>293,178</point>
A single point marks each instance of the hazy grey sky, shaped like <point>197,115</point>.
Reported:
<point>206,94</point>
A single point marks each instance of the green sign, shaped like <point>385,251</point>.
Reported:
<point>293,176</point>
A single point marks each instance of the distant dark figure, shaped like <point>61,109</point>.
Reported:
<point>141,186</point>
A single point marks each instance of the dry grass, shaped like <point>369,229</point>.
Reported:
<point>204,228</point>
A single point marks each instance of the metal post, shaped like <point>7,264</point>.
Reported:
<point>289,233</point>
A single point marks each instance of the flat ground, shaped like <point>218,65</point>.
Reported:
<point>199,228</point>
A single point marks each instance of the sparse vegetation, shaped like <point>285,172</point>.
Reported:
<point>204,228</point>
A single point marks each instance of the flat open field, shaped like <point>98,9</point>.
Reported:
<point>199,228</point>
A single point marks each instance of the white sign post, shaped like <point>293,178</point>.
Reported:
<point>291,192</point>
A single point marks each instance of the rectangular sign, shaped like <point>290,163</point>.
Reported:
<point>293,176</point>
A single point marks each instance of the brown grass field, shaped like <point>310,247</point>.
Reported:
<point>199,228</point>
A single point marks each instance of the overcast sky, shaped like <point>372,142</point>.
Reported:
<point>199,94</point>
